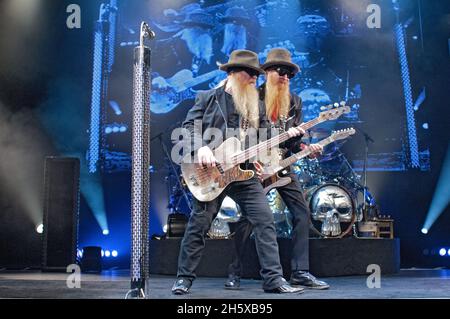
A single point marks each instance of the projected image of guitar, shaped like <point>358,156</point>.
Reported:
<point>271,177</point>
<point>168,93</point>
<point>206,183</point>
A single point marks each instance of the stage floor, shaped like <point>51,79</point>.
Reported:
<point>408,283</point>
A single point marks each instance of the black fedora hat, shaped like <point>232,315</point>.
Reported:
<point>235,15</point>
<point>279,56</point>
<point>242,59</point>
<point>198,17</point>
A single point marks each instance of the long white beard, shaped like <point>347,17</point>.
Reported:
<point>198,42</point>
<point>235,37</point>
<point>245,98</point>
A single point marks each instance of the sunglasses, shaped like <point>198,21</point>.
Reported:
<point>282,71</point>
<point>249,71</point>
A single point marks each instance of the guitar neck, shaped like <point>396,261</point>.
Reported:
<point>202,78</point>
<point>270,143</point>
<point>297,156</point>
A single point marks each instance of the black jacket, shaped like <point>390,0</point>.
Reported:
<point>211,109</point>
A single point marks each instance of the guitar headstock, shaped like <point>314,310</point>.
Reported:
<point>333,111</point>
<point>342,134</point>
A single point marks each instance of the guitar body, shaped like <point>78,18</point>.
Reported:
<point>178,81</point>
<point>275,181</point>
<point>168,94</point>
<point>206,184</point>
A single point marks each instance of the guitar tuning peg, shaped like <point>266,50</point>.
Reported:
<point>342,103</point>
<point>336,104</point>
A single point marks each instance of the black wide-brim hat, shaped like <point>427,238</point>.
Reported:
<point>242,59</point>
<point>236,15</point>
<point>198,18</point>
<point>279,56</point>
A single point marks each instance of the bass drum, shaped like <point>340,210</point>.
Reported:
<point>333,212</point>
<point>229,213</point>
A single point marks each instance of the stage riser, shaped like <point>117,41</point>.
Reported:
<point>328,257</point>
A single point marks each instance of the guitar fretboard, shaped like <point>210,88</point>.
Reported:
<point>270,143</point>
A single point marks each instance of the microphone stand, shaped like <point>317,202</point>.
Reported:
<point>367,140</point>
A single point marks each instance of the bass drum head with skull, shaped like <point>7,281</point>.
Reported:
<point>332,210</point>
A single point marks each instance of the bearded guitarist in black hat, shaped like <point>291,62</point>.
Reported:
<point>283,111</point>
<point>234,105</point>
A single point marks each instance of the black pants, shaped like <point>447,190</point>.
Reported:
<point>250,197</point>
<point>295,202</point>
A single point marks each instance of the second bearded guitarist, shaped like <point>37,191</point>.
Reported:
<point>283,111</point>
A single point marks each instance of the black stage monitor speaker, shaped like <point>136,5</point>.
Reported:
<point>61,204</point>
<point>92,259</point>
<point>176,225</point>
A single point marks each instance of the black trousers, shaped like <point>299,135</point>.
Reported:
<point>295,202</point>
<point>250,197</point>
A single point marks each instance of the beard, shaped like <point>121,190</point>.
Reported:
<point>277,100</point>
<point>245,98</point>
<point>235,37</point>
<point>199,42</point>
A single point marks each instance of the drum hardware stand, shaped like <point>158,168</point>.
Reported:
<point>140,173</point>
<point>367,139</point>
<point>175,174</point>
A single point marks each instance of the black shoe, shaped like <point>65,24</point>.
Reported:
<point>305,279</point>
<point>285,288</point>
<point>233,282</point>
<point>181,286</point>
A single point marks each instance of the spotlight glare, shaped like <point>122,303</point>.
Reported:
<point>424,231</point>
<point>107,253</point>
<point>448,252</point>
<point>114,253</point>
<point>40,228</point>
<point>165,228</point>
<point>105,232</point>
<point>442,251</point>
<point>103,253</point>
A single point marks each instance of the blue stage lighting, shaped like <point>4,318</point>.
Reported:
<point>441,197</point>
<point>442,252</point>
<point>448,252</point>
<point>114,253</point>
<point>105,232</point>
<point>107,253</point>
<point>424,231</point>
<point>108,130</point>
<point>103,253</point>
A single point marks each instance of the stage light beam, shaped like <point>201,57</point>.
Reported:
<point>441,197</point>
